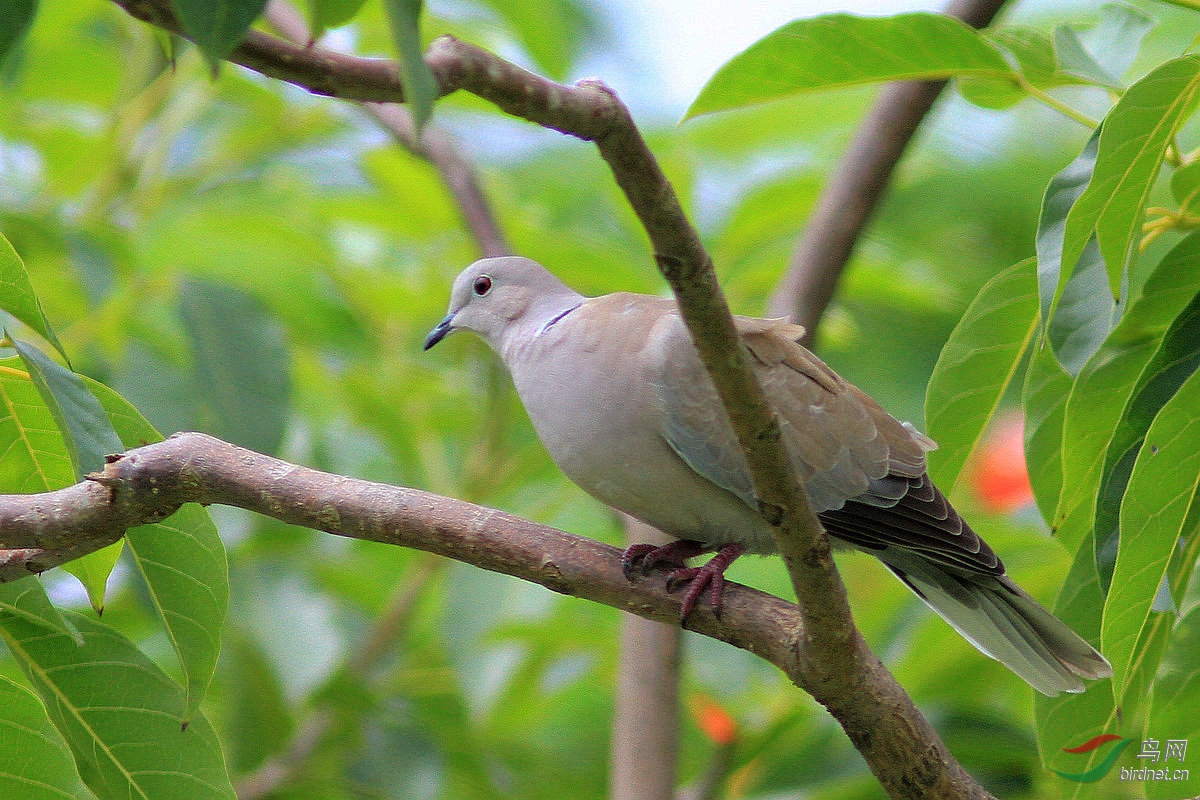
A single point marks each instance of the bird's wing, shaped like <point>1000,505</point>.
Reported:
<point>842,444</point>
<point>863,470</point>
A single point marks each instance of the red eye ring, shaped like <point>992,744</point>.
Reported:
<point>482,285</point>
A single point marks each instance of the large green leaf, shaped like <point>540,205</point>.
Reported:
<point>1104,385</point>
<point>1176,359</point>
<point>843,50</point>
<point>1162,486</point>
<point>18,298</point>
<point>35,761</point>
<point>1134,139</point>
<point>184,565</point>
<point>182,558</point>
<point>977,365</point>
<point>217,26</point>
<point>119,713</point>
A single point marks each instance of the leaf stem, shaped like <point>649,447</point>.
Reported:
<point>1056,104</point>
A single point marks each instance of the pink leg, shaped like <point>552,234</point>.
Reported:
<point>650,556</point>
<point>711,575</point>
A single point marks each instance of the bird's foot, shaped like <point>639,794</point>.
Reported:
<point>648,556</point>
<point>711,575</point>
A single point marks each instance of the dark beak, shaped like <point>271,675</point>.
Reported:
<point>440,330</point>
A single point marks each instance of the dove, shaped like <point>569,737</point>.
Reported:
<point>617,393</point>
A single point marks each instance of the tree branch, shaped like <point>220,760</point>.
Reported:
<point>831,659</point>
<point>150,483</point>
<point>854,191</point>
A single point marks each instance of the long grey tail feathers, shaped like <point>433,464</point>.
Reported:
<point>1000,619</point>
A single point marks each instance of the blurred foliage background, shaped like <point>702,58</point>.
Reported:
<point>240,257</point>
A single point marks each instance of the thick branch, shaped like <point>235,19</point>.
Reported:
<point>151,482</point>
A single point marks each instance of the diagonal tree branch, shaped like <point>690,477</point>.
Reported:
<point>835,665</point>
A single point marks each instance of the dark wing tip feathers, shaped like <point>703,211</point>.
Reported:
<point>921,521</point>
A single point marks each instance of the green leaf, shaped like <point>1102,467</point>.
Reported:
<point>843,50</point>
<point>88,434</point>
<point>184,565</point>
<point>324,14</point>
<point>1085,313</point>
<point>551,32</point>
<point>1044,398</point>
<point>35,457</point>
<point>1071,719</point>
<point>1063,191</point>
<point>241,364</point>
<point>117,711</point>
<point>262,722</point>
<point>1175,700</point>
<point>420,87</point>
<point>89,437</point>
<point>35,761</point>
<point>27,599</point>
<point>1161,489</point>
<point>18,298</point>
<point>1185,184</point>
<point>217,26</point>
<point>1173,363</point>
<point>14,24</point>
<point>1104,385</point>
<point>1075,60</point>
<point>1116,39</point>
<point>1033,53</point>
<point>1133,141</point>
<point>977,365</point>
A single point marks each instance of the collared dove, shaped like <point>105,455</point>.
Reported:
<point>618,395</point>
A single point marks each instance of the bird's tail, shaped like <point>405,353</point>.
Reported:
<point>1000,619</point>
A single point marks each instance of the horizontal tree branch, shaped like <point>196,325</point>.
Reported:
<point>151,482</point>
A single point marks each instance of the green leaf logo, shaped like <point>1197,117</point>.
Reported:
<point>1100,770</point>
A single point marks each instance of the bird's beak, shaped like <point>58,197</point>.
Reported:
<point>440,330</point>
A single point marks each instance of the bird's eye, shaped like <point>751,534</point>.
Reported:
<point>482,285</point>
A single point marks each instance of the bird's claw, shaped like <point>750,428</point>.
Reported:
<point>709,576</point>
